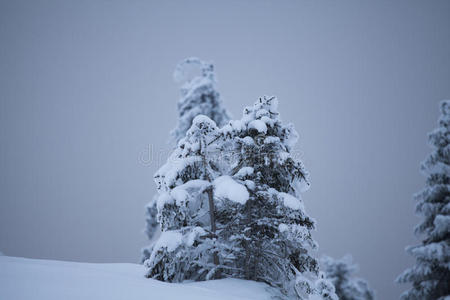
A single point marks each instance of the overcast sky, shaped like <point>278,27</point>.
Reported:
<point>86,90</point>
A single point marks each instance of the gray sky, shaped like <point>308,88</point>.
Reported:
<point>86,87</point>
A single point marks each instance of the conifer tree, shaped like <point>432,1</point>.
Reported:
<point>188,245</point>
<point>271,230</point>
<point>341,273</point>
<point>198,97</point>
<point>430,276</point>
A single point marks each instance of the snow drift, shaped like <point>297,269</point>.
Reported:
<point>22,278</point>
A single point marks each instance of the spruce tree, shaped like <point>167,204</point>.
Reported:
<point>188,246</point>
<point>341,273</point>
<point>199,96</point>
<point>430,276</point>
<point>272,230</point>
<point>229,205</point>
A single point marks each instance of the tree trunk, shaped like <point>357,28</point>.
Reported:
<point>212,219</point>
<point>209,191</point>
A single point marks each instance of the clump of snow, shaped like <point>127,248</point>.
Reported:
<point>203,120</point>
<point>227,187</point>
<point>271,140</point>
<point>295,231</point>
<point>261,113</point>
<point>169,239</point>
<point>163,199</point>
<point>168,173</point>
<point>248,141</point>
<point>299,231</point>
<point>283,227</point>
<point>180,195</point>
<point>259,125</point>
<point>192,236</point>
<point>245,171</point>
<point>283,156</point>
<point>235,125</point>
<point>291,202</point>
<point>250,184</point>
<point>195,184</point>
<point>268,121</point>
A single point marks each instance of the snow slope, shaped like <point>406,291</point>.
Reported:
<point>22,278</point>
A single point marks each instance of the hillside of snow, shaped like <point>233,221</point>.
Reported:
<point>22,278</point>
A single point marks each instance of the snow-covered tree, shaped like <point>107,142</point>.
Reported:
<point>341,273</point>
<point>272,229</point>
<point>230,206</point>
<point>188,245</point>
<point>430,276</point>
<point>198,97</point>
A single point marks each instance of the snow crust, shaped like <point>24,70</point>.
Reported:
<point>24,279</point>
<point>226,187</point>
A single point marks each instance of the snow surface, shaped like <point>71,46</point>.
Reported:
<point>24,279</point>
<point>226,187</point>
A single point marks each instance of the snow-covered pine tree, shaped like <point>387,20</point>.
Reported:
<point>270,232</point>
<point>341,273</point>
<point>430,276</point>
<point>198,97</point>
<point>188,245</point>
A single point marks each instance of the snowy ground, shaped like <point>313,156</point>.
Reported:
<point>22,278</point>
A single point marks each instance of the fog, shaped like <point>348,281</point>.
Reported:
<point>88,99</point>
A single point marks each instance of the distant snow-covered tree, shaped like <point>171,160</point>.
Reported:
<point>229,205</point>
<point>198,97</point>
<point>341,273</point>
<point>430,276</point>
